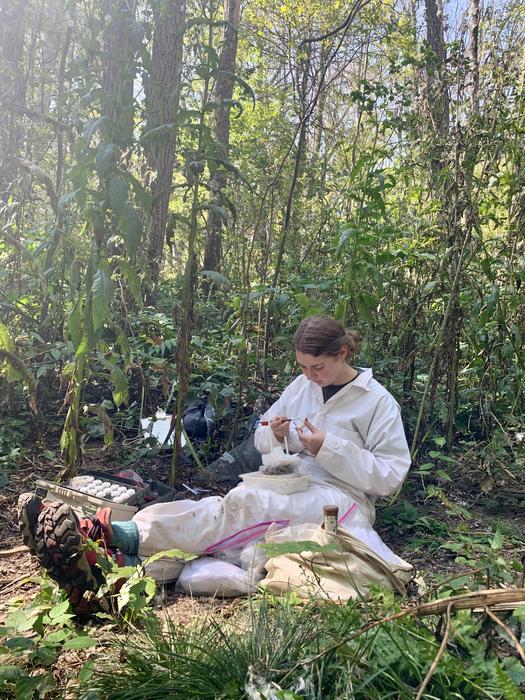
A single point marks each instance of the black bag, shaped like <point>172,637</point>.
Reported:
<point>198,419</point>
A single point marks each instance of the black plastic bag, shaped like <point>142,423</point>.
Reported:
<point>199,419</point>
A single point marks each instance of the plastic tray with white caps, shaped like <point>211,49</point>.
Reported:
<point>278,473</point>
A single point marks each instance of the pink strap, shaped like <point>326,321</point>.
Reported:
<point>248,534</point>
<point>348,512</point>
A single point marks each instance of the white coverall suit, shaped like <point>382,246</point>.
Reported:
<point>364,455</point>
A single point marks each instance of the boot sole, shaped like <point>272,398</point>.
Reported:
<point>29,506</point>
<point>60,551</point>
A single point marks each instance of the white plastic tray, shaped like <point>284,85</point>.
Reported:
<point>285,483</point>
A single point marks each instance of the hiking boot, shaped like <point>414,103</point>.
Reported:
<point>60,540</point>
<point>28,509</point>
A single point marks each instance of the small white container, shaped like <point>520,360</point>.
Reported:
<point>284,483</point>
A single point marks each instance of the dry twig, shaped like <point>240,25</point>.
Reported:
<point>511,634</point>
<point>440,653</point>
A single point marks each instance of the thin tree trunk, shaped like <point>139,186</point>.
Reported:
<point>162,102</point>
<point>474,55</point>
<point>437,89</point>
<point>60,97</point>
<point>117,79</point>
<point>12,87</point>
<point>223,91</point>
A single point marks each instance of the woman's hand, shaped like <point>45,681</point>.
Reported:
<point>280,426</point>
<point>313,441</point>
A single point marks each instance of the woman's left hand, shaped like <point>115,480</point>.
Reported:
<point>313,441</point>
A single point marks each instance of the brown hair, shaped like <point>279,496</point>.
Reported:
<point>323,335</point>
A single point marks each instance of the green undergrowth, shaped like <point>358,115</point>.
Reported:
<point>267,648</point>
<point>274,649</point>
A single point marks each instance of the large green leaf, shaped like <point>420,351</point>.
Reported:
<point>91,126</point>
<point>66,199</point>
<point>130,226</point>
<point>80,642</point>
<point>106,420</point>
<point>118,380</point>
<point>74,324</point>
<point>118,194</point>
<point>21,370</point>
<point>217,278</point>
<point>106,157</point>
<point>132,278</point>
<point>6,343</point>
<point>245,87</point>
<point>102,294</point>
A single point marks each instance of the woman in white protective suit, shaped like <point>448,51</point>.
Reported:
<point>346,429</point>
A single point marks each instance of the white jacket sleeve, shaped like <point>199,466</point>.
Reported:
<point>264,439</point>
<point>381,467</point>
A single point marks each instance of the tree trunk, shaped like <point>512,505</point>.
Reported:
<point>474,55</point>
<point>437,88</point>
<point>223,91</point>
<point>12,88</point>
<point>162,101</point>
<point>119,72</point>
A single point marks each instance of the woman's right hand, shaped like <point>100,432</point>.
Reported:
<point>280,426</point>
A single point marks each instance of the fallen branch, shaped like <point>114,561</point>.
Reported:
<point>485,599</point>
<point>14,550</point>
<point>475,599</point>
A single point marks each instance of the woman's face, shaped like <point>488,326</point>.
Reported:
<point>324,370</point>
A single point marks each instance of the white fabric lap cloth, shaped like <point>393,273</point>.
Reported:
<point>364,455</point>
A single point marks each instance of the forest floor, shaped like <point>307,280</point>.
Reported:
<point>452,531</point>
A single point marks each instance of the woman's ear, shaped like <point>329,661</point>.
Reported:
<point>344,352</point>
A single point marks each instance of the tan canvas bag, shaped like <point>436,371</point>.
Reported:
<point>338,575</point>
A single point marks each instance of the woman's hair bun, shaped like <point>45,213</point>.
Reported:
<point>324,335</point>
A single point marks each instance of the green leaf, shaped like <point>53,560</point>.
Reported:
<point>67,199</point>
<point>157,132</point>
<point>226,164</point>
<point>132,278</point>
<point>219,211</point>
<point>84,346</point>
<point>19,643</point>
<point>59,611</point>
<point>58,636</point>
<point>80,642</point>
<point>106,420</point>
<point>345,234</point>
<point>497,541</point>
<point>194,22</point>
<point>245,87</point>
<point>119,381</point>
<point>6,343</point>
<point>91,126</point>
<point>106,157</point>
<point>74,324</point>
<point>171,554</point>
<point>443,475</point>
<point>9,673</point>
<point>142,196</point>
<point>102,294</point>
<point>118,194</point>
<point>86,672</point>
<point>27,687</point>
<point>217,278</point>
<point>276,550</point>
<point>131,227</point>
